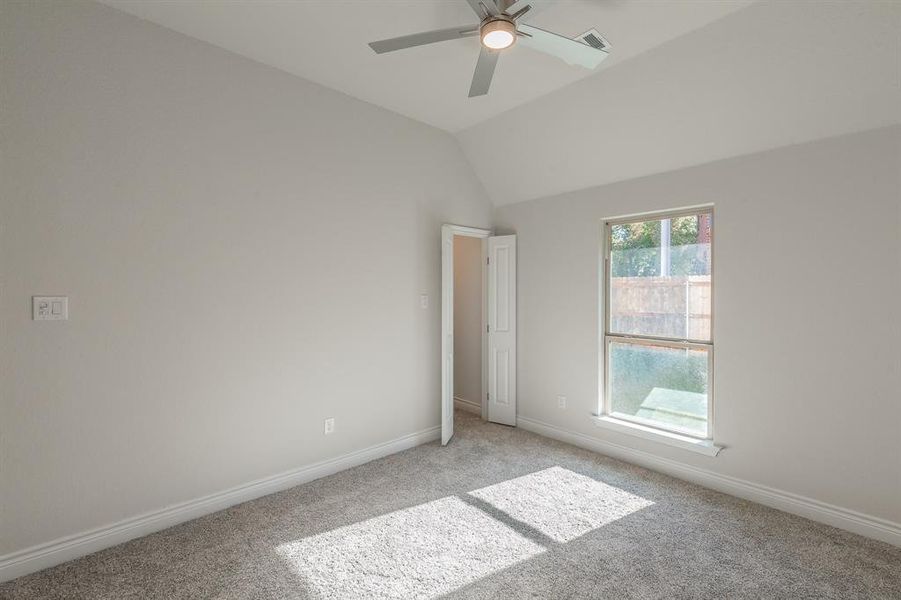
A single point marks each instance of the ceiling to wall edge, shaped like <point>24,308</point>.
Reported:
<point>894,127</point>
<point>448,134</point>
<point>500,202</point>
<point>496,203</point>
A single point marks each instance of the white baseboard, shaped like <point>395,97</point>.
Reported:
<point>64,549</point>
<point>843,518</point>
<point>467,405</point>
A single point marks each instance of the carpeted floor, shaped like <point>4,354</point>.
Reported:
<point>499,513</point>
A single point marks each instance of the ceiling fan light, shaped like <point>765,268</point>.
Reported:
<point>498,34</point>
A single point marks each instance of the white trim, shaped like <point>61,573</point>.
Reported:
<point>447,334</point>
<point>670,438</point>
<point>70,547</point>
<point>448,231</point>
<point>843,518</point>
<point>483,401</point>
<point>468,405</point>
<point>671,213</point>
<point>468,231</point>
<point>606,337</point>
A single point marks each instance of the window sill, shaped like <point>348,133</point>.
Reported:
<point>705,447</point>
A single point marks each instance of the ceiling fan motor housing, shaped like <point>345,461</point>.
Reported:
<point>497,32</point>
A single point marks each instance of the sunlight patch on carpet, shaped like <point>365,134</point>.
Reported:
<point>419,552</point>
<point>559,503</point>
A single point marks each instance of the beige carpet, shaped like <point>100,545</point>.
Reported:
<point>500,513</point>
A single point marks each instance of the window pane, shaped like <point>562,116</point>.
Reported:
<point>664,386</point>
<point>660,277</point>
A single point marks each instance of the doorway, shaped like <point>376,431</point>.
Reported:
<point>469,324</point>
<point>478,326</point>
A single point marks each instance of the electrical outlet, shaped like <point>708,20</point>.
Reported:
<point>329,425</point>
<point>423,300</point>
<point>561,402</point>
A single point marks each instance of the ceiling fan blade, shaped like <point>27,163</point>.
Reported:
<point>421,39</point>
<point>482,6</point>
<point>481,79</point>
<point>511,6</point>
<point>504,5</point>
<point>570,51</point>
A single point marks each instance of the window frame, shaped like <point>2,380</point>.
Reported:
<point>607,337</point>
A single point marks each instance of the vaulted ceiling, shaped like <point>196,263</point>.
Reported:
<point>326,41</point>
<point>687,81</point>
<point>774,74</point>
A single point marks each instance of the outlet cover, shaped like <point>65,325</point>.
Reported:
<point>561,402</point>
<point>329,425</point>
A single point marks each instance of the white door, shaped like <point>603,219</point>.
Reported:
<point>447,335</point>
<point>501,329</point>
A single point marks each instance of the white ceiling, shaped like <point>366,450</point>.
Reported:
<point>326,41</point>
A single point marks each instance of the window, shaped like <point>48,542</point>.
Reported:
<point>658,315</point>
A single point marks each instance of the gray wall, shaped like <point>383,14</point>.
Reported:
<point>807,280</point>
<point>243,253</point>
<point>468,319</point>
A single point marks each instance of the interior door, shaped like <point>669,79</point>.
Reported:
<point>447,337</point>
<point>501,329</point>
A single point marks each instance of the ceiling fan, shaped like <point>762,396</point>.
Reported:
<point>499,29</point>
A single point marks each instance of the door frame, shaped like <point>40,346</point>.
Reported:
<point>448,231</point>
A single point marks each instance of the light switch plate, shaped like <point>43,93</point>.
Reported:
<point>50,308</point>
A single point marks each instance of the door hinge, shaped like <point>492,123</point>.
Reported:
<point>488,396</point>
<point>487,328</point>
<point>488,261</point>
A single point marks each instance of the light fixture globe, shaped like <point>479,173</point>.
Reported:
<point>498,34</point>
